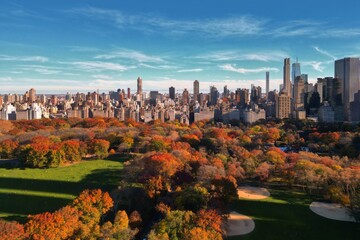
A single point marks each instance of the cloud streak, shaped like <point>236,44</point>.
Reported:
<point>190,70</point>
<point>325,53</point>
<point>216,27</point>
<point>23,58</point>
<point>232,68</point>
<point>101,66</point>
<point>241,55</point>
<point>230,26</point>
<point>132,55</point>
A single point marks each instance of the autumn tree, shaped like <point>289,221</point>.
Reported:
<point>99,148</point>
<point>59,225</point>
<point>120,229</point>
<point>92,204</point>
<point>11,230</point>
<point>7,148</point>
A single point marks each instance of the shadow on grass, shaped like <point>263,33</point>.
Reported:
<point>291,219</point>
<point>24,204</point>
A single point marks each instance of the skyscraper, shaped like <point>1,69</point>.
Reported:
<point>267,84</point>
<point>196,90</point>
<point>295,71</point>
<point>172,93</point>
<point>286,81</point>
<point>32,95</point>
<point>348,71</point>
<point>139,87</point>
<point>214,94</point>
<point>299,90</point>
<point>185,96</point>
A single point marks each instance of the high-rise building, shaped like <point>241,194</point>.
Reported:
<point>128,93</point>
<point>196,90</point>
<point>139,87</point>
<point>267,84</point>
<point>305,78</point>
<point>32,95</point>
<point>214,95</point>
<point>286,78</point>
<point>283,106</point>
<point>242,97</point>
<point>295,71</point>
<point>299,90</point>
<point>348,71</point>
<point>172,93</point>
<point>255,94</point>
<point>185,96</point>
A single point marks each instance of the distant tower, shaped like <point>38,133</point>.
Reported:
<point>267,84</point>
<point>172,93</point>
<point>32,95</point>
<point>196,90</point>
<point>286,81</point>
<point>128,93</point>
<point>185,96</point>
<point>299,91</point>
<point>139,87</point>
<point>295,71</point>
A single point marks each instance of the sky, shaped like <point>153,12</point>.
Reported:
<point>64,46</point>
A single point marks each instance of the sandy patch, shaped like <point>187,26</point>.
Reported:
<point>252,192</point>
<point>332,211</point>
<point>238,224</point>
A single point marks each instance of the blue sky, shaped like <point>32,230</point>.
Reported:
<point>59,46</point>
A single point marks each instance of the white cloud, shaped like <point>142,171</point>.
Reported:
<point>100,66</point>
<point>216,27</point>
<point>132,55</point>
<point>158,67</point>
<point>190,70</point>
<point>326,53</point>
<point>232,68</point>
<point>23,58</point>
<point>241,55</point>
<point>102,77</point>
<point>317,66</point>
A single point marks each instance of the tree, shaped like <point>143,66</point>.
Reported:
<point>92,204</point>
<point>72,150</point>
<point>192,198</point>
<point>11,230</point>
<point>163,164</point>
<point>99,148</point>
<point>135,220</point>
<point>59,225</point>
<point>7,148</point>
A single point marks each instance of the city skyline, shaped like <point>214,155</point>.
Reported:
<point>84,46</point>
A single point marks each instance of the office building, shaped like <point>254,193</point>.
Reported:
<point>267,85</point>
<point>172,93</point>
<point>286,78</point>
<point>283,106</point>
<point>185,97</point>
<point>348,71</point>
<point>196,90</point>
<point>139,88</point>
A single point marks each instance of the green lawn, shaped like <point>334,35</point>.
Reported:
<point>286,215</point>
<point>31,191</point>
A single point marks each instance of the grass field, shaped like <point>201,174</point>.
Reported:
<point>286,215</point>
<point>31,191</point>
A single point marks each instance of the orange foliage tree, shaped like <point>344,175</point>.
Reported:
<point>11,230</point>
